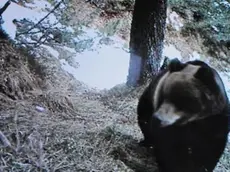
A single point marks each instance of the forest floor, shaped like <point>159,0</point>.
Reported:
<point>49,121</point>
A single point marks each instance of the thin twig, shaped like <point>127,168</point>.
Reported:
<point>5,7</point>
<point>4,140</point>
<point>17,132</point>
<point>56,6</point>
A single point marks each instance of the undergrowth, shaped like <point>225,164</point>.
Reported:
<point>210,19</point>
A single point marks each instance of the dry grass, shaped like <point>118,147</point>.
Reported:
<point>77,131</point>
<point>95,142</point>
<point>16,78</point>
<point>43,142</point>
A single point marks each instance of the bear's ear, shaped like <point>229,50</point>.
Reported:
<point>175,65</point>
<point>207,77</point>
<point>198,63</point>
<point>165,64</point>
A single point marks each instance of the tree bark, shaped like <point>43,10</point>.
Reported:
<point>146,40</point>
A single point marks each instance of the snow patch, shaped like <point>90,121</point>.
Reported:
<point>71,50</point>
<point>101,66</point>
<point>103,69</point>
<point>226,80</point>
<point>194,56</point>
<point>69,29</point>
<point>171,52</point>
<point>52,51</point>
<point>88,33</point>
<point>68,68</point>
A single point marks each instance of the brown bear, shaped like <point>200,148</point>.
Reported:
<point>183,115</point>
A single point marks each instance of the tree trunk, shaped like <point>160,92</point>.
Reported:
<point>146,40</point>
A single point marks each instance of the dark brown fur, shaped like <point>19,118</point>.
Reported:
<point>194,93</point>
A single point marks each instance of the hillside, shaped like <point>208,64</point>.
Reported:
<point>62,125</point>
<point>61,113</point>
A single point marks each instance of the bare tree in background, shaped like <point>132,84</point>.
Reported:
<point>42,32</point>
<point>146,40</point>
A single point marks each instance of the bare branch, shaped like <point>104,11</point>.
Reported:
<point>56,6</point>
<point>5,7</point>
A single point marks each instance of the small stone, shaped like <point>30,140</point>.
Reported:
<point>40,109</point>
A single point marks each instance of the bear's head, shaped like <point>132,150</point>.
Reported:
<point>187,92</point>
